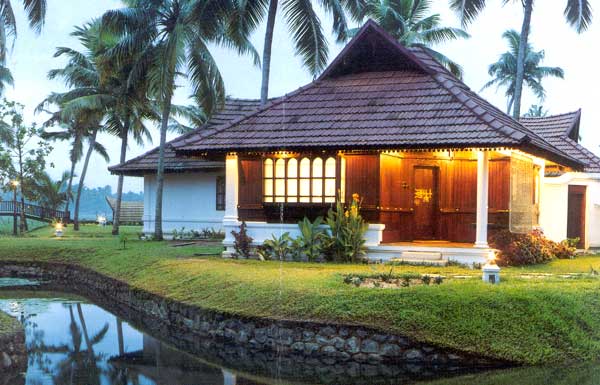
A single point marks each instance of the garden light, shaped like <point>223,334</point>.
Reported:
<point>491,271</point>
<point>58,230</point>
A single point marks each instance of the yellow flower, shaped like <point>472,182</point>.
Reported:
<point>346,214</point>
<point>355,197</point>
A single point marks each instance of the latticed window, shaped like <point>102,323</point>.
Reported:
<point>306,180</point>
<point>220,193</point>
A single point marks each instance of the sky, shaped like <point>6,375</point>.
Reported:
<point>32,58</point>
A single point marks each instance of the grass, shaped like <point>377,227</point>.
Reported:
<point>528,318</point>
<point>8,324</point>
<point>6,225</point>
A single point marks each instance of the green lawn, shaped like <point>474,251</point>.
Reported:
<point>8,324</point>
<point>6,225</point>
<point>528,318</point>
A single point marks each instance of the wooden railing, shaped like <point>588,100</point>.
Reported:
<point>7,208</point>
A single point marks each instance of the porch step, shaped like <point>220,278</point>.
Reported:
<point>421,255</point>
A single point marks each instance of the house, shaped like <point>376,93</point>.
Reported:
<point>570,200</point>
<point>437,167</point>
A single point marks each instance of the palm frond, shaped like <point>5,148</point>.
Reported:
<point>578,14</point>
<point>467,10</point>
<point>307,34</point>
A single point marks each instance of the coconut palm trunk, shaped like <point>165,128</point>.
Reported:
<point>266,60</point>
<point>160,174</point>
<point>528,9</point>
<point>23,223</point>
<point>70,187</point>
<point>117,215</point>
<point>88,155</point>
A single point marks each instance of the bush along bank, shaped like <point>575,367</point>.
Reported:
<point>331,343</point>
<point>13,354</point>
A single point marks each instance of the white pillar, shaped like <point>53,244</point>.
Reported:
<point>482,199</point>
<point>230,219</point>
<point>231,188</point>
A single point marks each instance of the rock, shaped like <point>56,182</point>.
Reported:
<point>380,338</point>
<point>352,345</point>
<point>260,335</point>
<point>297,346</point>
<point>308,335</point>
<point>311,348</point>
<point>369,346</point>
<point>322,340</point>
<point>338,342</point>
<point>413,355</point>
<point>374,358</point>
<point>327,331</point>
<point>329,350</point>
<point>390,350</point>
<point>285,336</point>
<point>5,360</point>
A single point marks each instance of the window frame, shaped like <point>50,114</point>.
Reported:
<point>299,198</point>
<point>220,194</point>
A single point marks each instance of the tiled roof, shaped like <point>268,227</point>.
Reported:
<point>559,131</point>
<point>556,125</point>
<point>147,162</point>
<point>404,99</point>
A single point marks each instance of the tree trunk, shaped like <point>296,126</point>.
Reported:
<point>86,162</point>
<point>527,11</point>
<point>86,336</point>
<point>160,174</point>
<point>23,222</point>
<point>266,60</point>
<point>117,212</point>
<point>70,187</point>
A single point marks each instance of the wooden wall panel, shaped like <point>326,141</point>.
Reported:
<point>362,177</point>
<point>499,186</point>
<point>250,192</point>
<point>396,198</point>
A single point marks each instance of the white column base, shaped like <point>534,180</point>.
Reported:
<point>481,245</point>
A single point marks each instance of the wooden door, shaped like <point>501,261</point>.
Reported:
<point>576,214</point>
<point>425,202</point>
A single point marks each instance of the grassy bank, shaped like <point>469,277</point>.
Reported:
<point>536,315</point>
<point>8,324</point>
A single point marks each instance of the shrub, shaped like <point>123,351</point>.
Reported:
<point>242,243</point>
<point>310,243</point>
<point>566,249</point>
<point>278,248</point>
<point>346,241</point>
<point>527,249</point>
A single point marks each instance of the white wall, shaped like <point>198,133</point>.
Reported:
<point>554,202</point>
<point>189,200</point>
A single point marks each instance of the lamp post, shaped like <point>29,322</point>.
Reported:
<point>491,271</point>
<point>15,184</point>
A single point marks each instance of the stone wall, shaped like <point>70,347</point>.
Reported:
<point>13,355</point>
<point>199,329</point>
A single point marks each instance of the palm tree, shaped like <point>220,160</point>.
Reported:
<point>51,193</point>
<point>304,26</point>
<point>410,22</point>
<point>36,14</point>
<point>169,39</point>
<point>578,14</point>
<point>504,71</point>
<point>536,111</point>
<point>79,105</point>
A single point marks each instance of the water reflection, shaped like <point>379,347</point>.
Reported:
<point>70,341</point>
<point>73,342</point>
